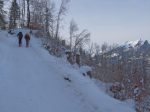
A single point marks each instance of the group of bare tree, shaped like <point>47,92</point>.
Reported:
<point>128,69</point>
<point>39,14</point>
<point>44,16</point>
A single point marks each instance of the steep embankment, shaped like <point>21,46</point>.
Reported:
<point>31,80</point>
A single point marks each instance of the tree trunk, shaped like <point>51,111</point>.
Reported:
<point>23,13</point>
<point>57,27</point>
<point>28,14</point>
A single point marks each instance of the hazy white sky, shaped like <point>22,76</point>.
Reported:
<point>112,21</point>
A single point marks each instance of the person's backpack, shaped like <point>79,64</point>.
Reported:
<point>20,35</point>
<point>27,36</point>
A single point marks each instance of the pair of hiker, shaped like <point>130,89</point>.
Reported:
<point>27,38</point>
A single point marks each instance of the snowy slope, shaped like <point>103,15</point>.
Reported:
<point>31,80</point>
<point>132,44</point>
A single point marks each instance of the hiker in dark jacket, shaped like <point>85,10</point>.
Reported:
<point>27,38</point>
<point>20,35</point>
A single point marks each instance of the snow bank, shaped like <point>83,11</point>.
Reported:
<point>31,80</point>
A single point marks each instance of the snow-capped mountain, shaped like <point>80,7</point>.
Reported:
<point>136,44</point>
<point>132,43</point>
<point>131,48</point>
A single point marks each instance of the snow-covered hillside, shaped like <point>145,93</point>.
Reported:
<point>31,80</point>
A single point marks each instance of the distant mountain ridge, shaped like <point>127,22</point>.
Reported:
<point>136,44</point>
<point>133,48</point>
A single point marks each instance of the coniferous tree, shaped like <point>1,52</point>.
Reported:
<point>14,14</point>
<point>1,13</point>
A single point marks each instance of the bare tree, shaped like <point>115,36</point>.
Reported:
<point>28,13</point>
<point>104,47</point>
<point>22,5</point>
<point>40,14</point>
<point>91,49</point>
<point>81,39</point>
<point>61,12</point>
<point>97,49</point>
<point>24,11</point>
<point>51,18</point>
<point>73,29</point>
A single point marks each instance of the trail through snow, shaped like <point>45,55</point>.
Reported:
<point>31,80</point>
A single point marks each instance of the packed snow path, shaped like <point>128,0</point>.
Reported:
<point>33,81</point>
